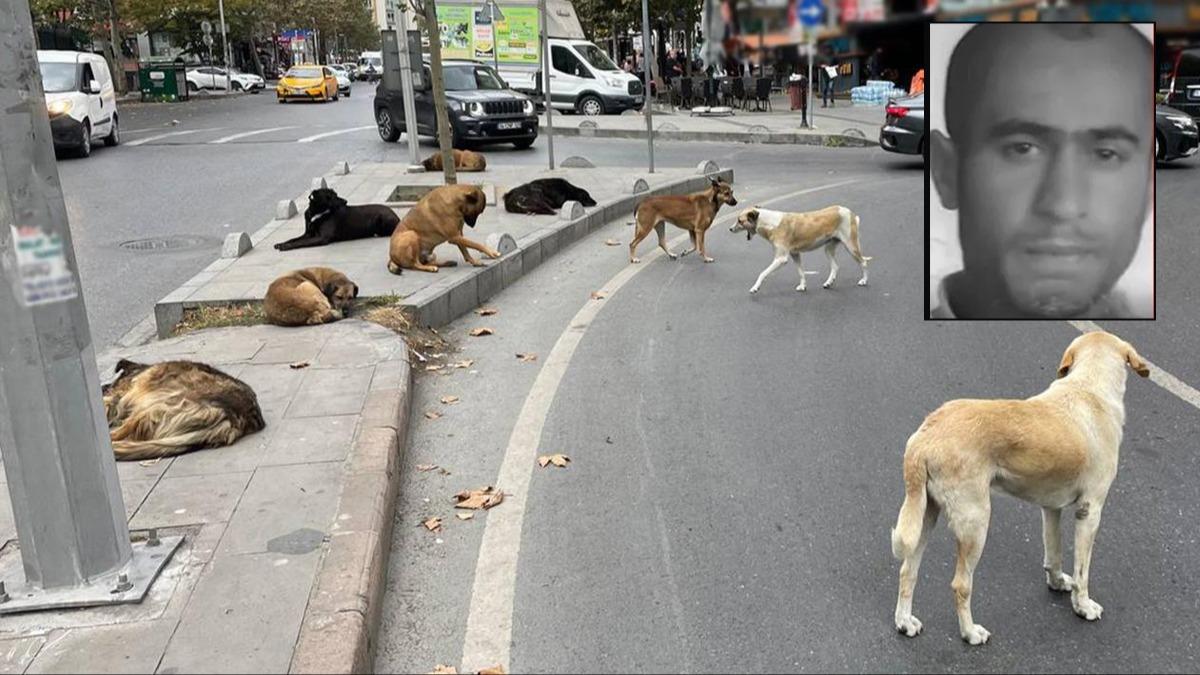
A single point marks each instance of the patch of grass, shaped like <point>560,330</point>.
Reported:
<point>219,316</point>
<point>834,142</point>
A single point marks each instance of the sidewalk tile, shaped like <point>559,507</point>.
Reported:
<point>191,499</point>
<point>122,648</point>
<point>291,349</point>
<point>16,654</point>
<point>337,391</point>
<point>310,439</point>
<point>284,501</point>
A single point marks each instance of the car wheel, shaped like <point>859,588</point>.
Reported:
<point>387,130</point>
<point>237,86</point>
<point>282,100</point>
<point>192,87</point>
<point>85,145</point>
<point>524,143</point>
<point>1157,149</point>
<point>114,135</point>
<point>591,106</point>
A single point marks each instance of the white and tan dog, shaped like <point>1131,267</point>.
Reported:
<point>794,233</point>
<point>1057,449</point>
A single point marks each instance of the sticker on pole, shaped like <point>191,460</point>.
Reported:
<point>42,272</point>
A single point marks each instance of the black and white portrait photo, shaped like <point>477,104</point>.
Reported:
<point>1042,168</point>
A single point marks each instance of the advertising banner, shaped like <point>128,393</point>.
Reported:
<point>466,34</point>
<point>455,26</point>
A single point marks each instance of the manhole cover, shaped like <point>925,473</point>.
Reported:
<point>165,243</point>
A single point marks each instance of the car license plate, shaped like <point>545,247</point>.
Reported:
<point>1194,93</point>
<point>503,126</point>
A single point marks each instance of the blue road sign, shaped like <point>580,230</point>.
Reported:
<point>812,13</point>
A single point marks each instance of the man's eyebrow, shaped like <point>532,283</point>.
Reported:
<point>1014,127</point>
<point>1114,133</point>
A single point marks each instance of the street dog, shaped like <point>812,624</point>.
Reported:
<point>694,213</point>
<point>794,233</point>
<point>464,160</point>
<point>329,219</point>
<point>1057,449</point>
<point>309,296</point>
<point>544,196</point>
<point>436,219</point>
<point>165,409</point>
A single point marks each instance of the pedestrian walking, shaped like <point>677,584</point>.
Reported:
<point>828,73</point>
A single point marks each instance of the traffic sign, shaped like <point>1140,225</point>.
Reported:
<point>208,40</point>
<point>811,13</point>
<point>206,27</point>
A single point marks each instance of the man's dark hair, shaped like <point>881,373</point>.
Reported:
<point>968,71</point>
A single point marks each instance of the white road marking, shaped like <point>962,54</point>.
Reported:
<point>247,133</point>
<point>1158,376</point>
<point>143,141</point>
<point>310,139</point>
<point>489,622</point>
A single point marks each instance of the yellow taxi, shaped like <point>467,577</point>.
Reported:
<point>307,82</point>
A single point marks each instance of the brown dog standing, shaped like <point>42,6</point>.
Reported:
<point>464,160</point>
<point>694,213</point>
<point>310,296</point>
<point>436,219</point>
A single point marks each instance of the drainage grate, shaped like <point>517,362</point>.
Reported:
<point>166,243</point>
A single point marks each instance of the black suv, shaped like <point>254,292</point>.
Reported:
<point>481,107</point>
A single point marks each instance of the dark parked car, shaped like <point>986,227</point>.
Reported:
<point>1182,90</point>
<point>481,107</point>
<point>904,128</point>
<point>1175,134</point>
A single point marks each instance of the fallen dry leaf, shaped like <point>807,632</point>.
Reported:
<point>298,365</point>
<point>612,242</point>
<point>465,516</point>
<point>432,414</point>
<point>494,670</point>
<point>556,460</point>
<point>433,524</point>
<point>463,364</point>
<point>481,331</point>
<point>599,295</point>
<point>483,498</point>
<point>486,311</point>
<point>442,669</point>
<point>527,356</point>
<point>449,400</point>
<point>432,368</point>
<point>426,467</point>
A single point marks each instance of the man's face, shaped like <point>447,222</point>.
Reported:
<point>1053,173</point>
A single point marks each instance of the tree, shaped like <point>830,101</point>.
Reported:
<point>89,19</point>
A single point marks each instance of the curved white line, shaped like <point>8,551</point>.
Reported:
<point>143,141</point>
<point>247,133</point>
<point>310,139</point>
<point>489,623</point>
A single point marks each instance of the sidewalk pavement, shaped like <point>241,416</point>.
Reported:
<point>844,125</point>
<point>435,299</point>
<point>286,531</point>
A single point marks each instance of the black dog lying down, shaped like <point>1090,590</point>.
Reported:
<point>544,196</point>
<point>328,218</point>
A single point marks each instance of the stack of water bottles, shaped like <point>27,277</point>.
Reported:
<point>875,92</point>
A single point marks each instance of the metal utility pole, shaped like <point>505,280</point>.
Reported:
<point>439,92</point>
<point>62,477</point>
<point>646,60</point>
<point>494,13</point>
<point>545,44</point>
<point>225,46</point>
<point>812,47</point>
<point>407,91</point>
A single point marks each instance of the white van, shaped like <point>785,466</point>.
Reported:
<point>80,99</point>
<point>370,66</point>
<point>583,78</point>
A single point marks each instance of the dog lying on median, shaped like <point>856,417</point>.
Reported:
<point>464,160</point>
<point>794,233</point>
<point>436,219</point>
<point>309,296</point>
<point>694,213</point>
<point>170,408</point>
<point>1057,449</point>
<point>329,219</point>
<point>544,196</point>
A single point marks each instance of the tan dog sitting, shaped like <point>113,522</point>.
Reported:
<point>436,219</point>
<point>309,296</point>
<point>694,213</point>
<point>464,160</point>
<point>1057,449</point>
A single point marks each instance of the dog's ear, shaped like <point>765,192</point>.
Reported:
<point>355,289</point>
<point>125,365</point>
<point>752,216</point>
<point>1135,361</point>
<point>1068,360</point>
<point>328,289</point>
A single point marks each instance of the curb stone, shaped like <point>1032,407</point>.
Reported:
<point>766,138</point>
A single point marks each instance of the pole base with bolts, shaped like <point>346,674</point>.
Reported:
<point>128,585</point>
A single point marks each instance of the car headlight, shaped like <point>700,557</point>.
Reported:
<point>59,107</point>
<point>614,82</point>
<point>475,109</point>
<point>1182,121</point>
<point>528,106</point>
<point>454,105</point>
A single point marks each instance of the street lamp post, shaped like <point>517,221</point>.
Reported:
<point>646,59</point>
<point>545,49</point>
<point>224,44</point>
<point>494,12</point>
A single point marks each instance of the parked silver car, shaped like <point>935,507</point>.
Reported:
<point>904,128</point>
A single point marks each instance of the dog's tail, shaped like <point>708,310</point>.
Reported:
<point>906,535</point>
<point>854,237</point>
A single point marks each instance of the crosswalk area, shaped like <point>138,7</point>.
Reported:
<point>232,136</point>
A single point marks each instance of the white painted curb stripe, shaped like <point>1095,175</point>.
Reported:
<point>143,141</point>
<point>1157,375</point>
<point>489,623</point>
<point>310,139</point>
<point>247,133</point>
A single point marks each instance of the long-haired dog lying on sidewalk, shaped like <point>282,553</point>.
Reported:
<point>170,408</point>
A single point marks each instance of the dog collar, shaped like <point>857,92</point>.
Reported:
<point>321,215</point>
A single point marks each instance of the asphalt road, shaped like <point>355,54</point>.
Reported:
<point>736,460</point>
